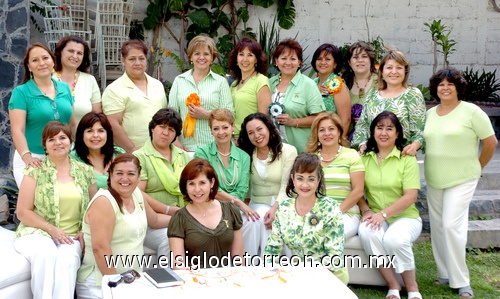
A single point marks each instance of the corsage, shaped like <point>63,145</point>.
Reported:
<point>276,108</point>
<point>313,220</point>
<point>334,85</point>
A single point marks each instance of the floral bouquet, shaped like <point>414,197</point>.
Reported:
<point>334,85</point>
<point>190,122</point>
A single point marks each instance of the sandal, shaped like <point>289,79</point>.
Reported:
<point>391,294</point>
<point>414,295</point>
<point>442,281</point>
<point>465,292</point>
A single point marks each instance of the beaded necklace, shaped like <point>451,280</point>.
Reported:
<point>72,85</point>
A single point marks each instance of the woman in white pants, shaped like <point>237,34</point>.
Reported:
<point>271,163</point>
<point>52,200</point>
<point>452,169</point>
<point>391,222</point>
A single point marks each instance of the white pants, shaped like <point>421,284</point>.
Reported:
<point>157,239</point>
<point>395,239</point>
<point>88,289</point>
<point>18,166</point>
<point>449,216</point>
<point>351,225</point>
<point>53,268</point>
<point>255,234</point>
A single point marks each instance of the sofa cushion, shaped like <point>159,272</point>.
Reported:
<point>15,267</point>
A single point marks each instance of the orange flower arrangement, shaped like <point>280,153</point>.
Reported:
<point>190,122</point>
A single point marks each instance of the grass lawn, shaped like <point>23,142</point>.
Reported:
<point>484,271</point>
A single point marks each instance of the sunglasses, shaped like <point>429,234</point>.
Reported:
<point>54,107</point>
<point>127,277</point>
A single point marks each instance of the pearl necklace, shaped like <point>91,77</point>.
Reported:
<point>224,155</point>
<point>380,157</point>
<point>329,160</point>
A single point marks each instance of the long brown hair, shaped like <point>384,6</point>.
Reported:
<point>122,158</point>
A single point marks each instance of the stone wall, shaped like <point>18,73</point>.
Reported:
<point>14,39</point>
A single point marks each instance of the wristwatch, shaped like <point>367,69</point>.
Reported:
<point>383,214</point>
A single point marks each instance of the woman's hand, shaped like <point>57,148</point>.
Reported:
<point>323,90</point>
<point>31,161</point>
<point>79,237</point>
<point>411,149</point>
<point>285,119</point>
<point>198,112</point>
<point>58,235</point>
<point>269,218</point>
<point>374,220</point>
<point>362,149</point>
<point>249,212</point>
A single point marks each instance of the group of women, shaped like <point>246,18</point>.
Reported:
<point>276,193</point>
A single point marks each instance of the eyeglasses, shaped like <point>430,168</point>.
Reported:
<point>130,276</point>
<point>54,107</point>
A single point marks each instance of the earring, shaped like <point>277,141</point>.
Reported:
<point>319,143</point>
<point>31,75</point>
<point>255,65</point>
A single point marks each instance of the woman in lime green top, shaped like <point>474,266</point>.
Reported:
<point>94,145</point>
<point>52,200</point>
<point>391,222</point>
<point>335,93</point>
<point>250,88</point>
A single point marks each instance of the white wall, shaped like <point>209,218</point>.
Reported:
<point>475,26</point>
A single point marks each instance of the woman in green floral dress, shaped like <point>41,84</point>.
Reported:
<point>309,223</point>
<point>394,95</point>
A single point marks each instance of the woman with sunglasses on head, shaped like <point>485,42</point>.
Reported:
<point>52,200</point>
<point>396,96</point>
<point>335,94</point>
<point>115,224</point>
<point>391,222</point>
<point>205,226</point>
<point>308,223</point>
<point>72,63</point>
<point>94,145</point>
<point>38,100</point>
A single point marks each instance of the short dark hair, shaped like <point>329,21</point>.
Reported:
<point>169,117</point>
<point>451,75</point>
<point>84,66</point>
<point>371,144</point>
<point>288,44</point>
<point>255,48</point>
<point>133,44</point>
<point>329,49</point>
<point>306,163</point>
<point>54,127</point>
<point>192,170</point>
<point>275,142</point>
<point>121,158</point>
<point>88,121</point>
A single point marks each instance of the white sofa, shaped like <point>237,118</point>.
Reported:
<point>361,275</point>
<point>16,273</point>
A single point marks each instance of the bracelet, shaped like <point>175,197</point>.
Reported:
<point>168,209</point>
<point>24,153</point>
<point>366,210</point>
<point>233,199</point>
<point>297,123</point>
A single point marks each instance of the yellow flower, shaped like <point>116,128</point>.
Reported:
<point>167,53</point>
<point>152,49</point>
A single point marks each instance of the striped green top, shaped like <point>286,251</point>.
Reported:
<point>214,93</point>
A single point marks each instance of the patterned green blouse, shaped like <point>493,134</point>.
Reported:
<point>409,107</point>
<point>47,196</point>
<point>317,234</point>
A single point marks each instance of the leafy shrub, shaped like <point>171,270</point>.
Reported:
<point>481,87</point>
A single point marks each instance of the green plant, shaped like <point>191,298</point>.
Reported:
<point>219,19</point>
<point>38,7</point>
<point>481,87</point>
<point>426,92</point>
<point>440,37</point>
<point>136,30</point>
<point>379,47</point>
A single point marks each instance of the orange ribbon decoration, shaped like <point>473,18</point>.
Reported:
<point>190,122</point>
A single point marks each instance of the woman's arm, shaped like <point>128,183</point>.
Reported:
<point>377,219</point>
<point>357,190</point>
<point>97,107</point>
<point>101,219</point>
<point>18,128</point>
<point>415,104</point>
<point>178,253</point>
<point>343,104</point>
<point>155,220</point>
<point>264,99</point>
<point>489,146</point>
<point>119,136</point>
<point>237,249</point>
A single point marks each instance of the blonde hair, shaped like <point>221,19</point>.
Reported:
<point>221,114</point>
<point>202,40</point>
<point>312,145</point>
<point>400,58</point>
